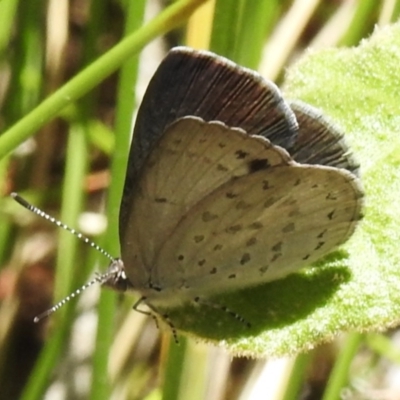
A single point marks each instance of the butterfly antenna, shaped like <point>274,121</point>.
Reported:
<point>58,223</point>
<point>98,279</point>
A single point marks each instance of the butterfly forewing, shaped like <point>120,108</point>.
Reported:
<point>319,142</point>
<point>192,159</point>
<point>202,84</point>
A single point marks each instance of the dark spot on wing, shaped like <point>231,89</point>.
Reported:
<point>320,235</point>
<point>240,154</point>
<point>245,258</point>
<point>276,256</point>
<point>265,185</point>
<point>242,205</point>
<point>231,195</point>
<point>258,165</point>
<point>256,225</point>
<point>233,228</point>
<point>160,200</point>
<point>277,247</point>
<point>198,238</point>
<point>331,196</point>
<point>289,228</point>
<point>207,216</point>
<point>252,241</point>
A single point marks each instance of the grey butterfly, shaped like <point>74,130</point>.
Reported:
<point>228,186</point>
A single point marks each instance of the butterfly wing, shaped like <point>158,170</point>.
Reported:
<point>192,159</point>
<point>202,84</point>
<point>318,141</point>
<point>258,228</point>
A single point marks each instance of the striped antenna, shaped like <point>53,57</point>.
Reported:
<point>54,221</point>
<point>113,277</point>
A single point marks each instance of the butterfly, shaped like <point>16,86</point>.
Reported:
<point>228,186</point>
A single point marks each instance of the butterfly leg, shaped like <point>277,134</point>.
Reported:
<point>223,308</point>
<point>154,314</point>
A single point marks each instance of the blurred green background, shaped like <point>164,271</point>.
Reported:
<point>91,61</point>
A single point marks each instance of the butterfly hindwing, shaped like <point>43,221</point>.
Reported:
<point>259,228</point>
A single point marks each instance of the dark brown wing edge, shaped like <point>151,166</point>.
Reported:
<point>319,142</point>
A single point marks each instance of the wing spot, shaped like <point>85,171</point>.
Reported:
<point>198,238</point>
<point>160,200</point>
<point>306,257</point>
<point>264,269</point>
<point>201,262</point>
<point>213,271</point>
<point>251,242</point>
<point>277,247</point>
<point>217,247</point>
<point>256,225</point>
<point>242,205</point>
<point>240,154</point>
<point>245,258</point>
<point>265,185</point>
<point>222,168</point>
<point>297,183</point>
<point>234,229</point>
<point>331,214</point>
<point>207,216</point>
<point>258,165</point>
<point>231,195</point>
<point>276,256</point>
<point>319,245</point>
<point>181,257</point>
<point>331,196</point>
<point>221,145</point>
<point>320,235</point>
<point>232,276</point>
<point>289,228</point>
